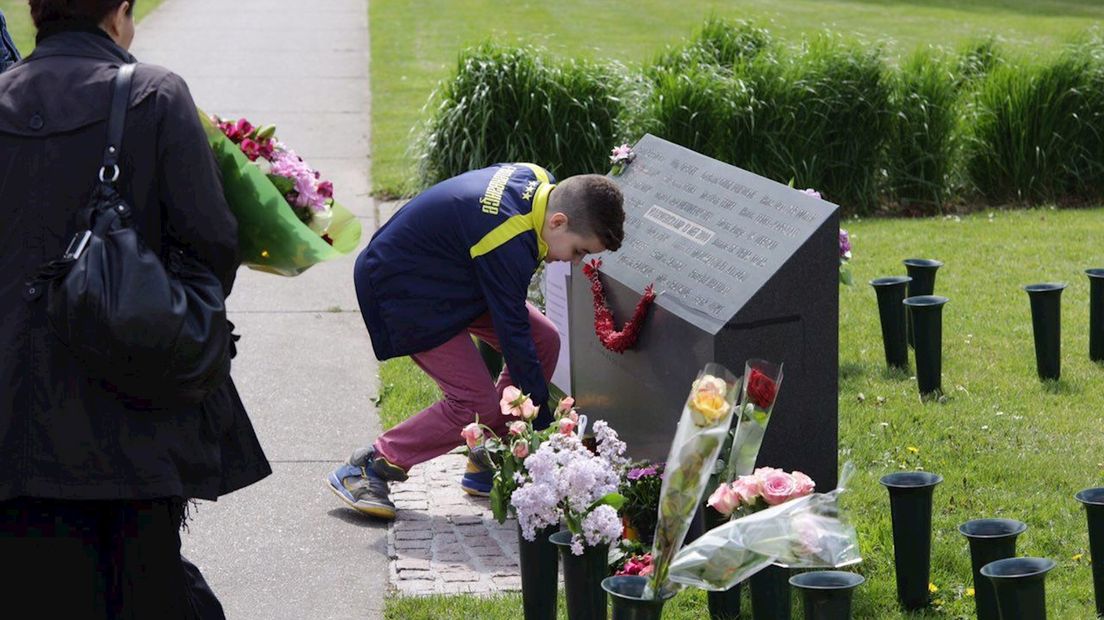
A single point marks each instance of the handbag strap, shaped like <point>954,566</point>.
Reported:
<point>120,99</point>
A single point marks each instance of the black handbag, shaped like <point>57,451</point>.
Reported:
<point>154,329</point>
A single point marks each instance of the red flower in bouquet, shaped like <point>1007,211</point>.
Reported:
<point>637,565</point>
<point>761,390</point>
<point>604,328</point>
<point>310,197</point>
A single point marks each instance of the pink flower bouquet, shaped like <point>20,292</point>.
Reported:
<point>566,483</point>
<point>287,217</point>
<point>789,525</point>
<point>765,488</point>
<point>508,454</point>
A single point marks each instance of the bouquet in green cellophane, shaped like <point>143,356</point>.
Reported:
<point>287,217</point>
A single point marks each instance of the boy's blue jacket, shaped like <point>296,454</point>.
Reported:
<point>463,247</point>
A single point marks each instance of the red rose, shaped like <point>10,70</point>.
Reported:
<point>761,390</point>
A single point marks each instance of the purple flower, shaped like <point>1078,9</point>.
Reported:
<point>812,192</point>
<point>844,244</point>
<point>622,154</point>
<point>639,472</point>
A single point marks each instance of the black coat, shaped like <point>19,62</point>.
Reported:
<point>62,434</point>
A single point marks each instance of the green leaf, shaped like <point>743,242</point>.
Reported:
<point>498,502</point>
<point>283,184</point>
<point>613,499</point>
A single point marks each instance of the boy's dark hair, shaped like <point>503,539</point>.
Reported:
<point>44,12</point>
<point>593,205</point>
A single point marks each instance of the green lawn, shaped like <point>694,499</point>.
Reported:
<point>18,14</point>
<point>415,47</point>
<point>1006,444</point>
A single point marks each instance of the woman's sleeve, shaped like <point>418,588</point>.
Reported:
<point>197,216</point>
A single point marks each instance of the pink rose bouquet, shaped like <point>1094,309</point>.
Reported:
<point>764,488</point>
<point>783,521</point>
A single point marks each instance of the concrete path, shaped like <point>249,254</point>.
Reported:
<point>284,548</point>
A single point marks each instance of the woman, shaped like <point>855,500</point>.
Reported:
<point>93,490</point>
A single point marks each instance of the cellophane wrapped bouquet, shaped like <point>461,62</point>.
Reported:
<point>287,217</point>
<point>701,431</point>
<point>800,531</point>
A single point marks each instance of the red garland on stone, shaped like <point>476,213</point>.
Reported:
<point>616,341</point>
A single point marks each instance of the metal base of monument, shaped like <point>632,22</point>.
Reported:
<point>745,268</point>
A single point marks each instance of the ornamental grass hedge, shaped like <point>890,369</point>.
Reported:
<point>518,104</point>
<point>936,129</point>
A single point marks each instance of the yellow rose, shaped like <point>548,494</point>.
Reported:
<point>711,405</point>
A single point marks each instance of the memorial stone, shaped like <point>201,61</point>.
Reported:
<point>745,268</point>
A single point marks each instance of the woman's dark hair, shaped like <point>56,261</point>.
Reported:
<point>45,12</point>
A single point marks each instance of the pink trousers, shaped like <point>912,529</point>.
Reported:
<point>469,390</point>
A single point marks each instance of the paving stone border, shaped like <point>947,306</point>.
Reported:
<point>445,541</point>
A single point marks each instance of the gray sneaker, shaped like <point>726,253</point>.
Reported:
<point>361,488</point>
<point>367,458</point>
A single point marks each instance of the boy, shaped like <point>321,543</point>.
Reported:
<point>453,263</point>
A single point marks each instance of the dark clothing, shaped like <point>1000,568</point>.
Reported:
<point>96,560</point>
<point>205,605</point>
<point>465,247</point>
<point>63,435</point>
<point>9,54</point>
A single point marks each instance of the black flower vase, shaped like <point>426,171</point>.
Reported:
<point>540,565</point>
<point>723,605</point>
<point>1020,586</point>
<point>583,575</point>
<point>1096,314</point>
<point>826,594</point>
<point>990,540</point>
<point>891,293</point>
<point>491,359</point>
<point>922,271</point>
<point>770,593</point>
<point>927,325</point>
<point>910,504</point>
<point>1046,320</point>
<point>627,594</point>
<point>1093,500</point>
